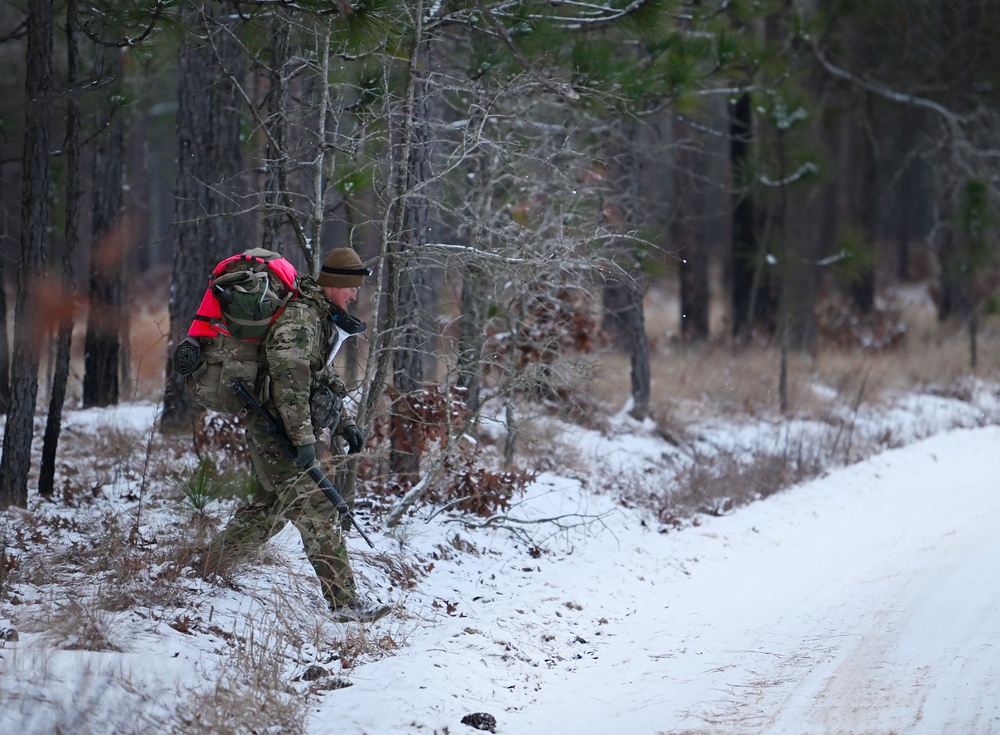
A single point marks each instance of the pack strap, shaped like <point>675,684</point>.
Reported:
<point>208,321</point>
<point>347,271</point>
<point>257,322</point>
<point>258,280</point>
<point>273,261</point>
<point>248,322</point>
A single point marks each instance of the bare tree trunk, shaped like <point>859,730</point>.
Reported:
<point>209,159</point>
<point>636,329</point>
<point>408,378</point>
<point>956,287</point>
<point>137,189</point>
<point>4,340</point>
<point>471,339</point>
<point>74,195</point>
<point>908,210</point>
<point>475,278</point>
<point>974,339</point>
<point>102,345</point>
<point>276,163</point>
<point>797,265</point>
<point>747,258</point>
<point>408,356</point>
<point>407,360</point>
<point>694,260</point>
<point>18,432</point>
<point>800,241</point>
<point>623,295</point>
<point>694,290</point>
<point>192,262</point>
<point>855,204</point>
<point>614,305</point>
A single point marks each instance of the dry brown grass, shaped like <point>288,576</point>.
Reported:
<point>148,345</point>
<point>101,562</point>
<point>147,349</point>
<point>716,378</point>
<point>719,379</point>
<point>717,484</point>
<point>251,694</point>
<point>81,626</point>
<point>692,384</point>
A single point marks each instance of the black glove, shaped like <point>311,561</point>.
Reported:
<point>305,456</point>
<point>354,438</point>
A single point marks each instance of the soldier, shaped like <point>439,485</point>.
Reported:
<point>302,389</point>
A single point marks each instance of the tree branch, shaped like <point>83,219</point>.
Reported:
<point>885,92</point>
<point>501,30</point>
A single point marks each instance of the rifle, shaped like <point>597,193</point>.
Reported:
<point>277,431</point>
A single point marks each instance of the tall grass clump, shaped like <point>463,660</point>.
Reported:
<point>251,692</point>
<point>719,479</point>
<point>82,625</point>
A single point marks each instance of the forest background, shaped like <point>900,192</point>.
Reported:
<point>523,176</point>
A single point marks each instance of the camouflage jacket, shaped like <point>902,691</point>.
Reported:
<point>296,351</point>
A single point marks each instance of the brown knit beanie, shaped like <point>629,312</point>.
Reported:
<point>342,268</point>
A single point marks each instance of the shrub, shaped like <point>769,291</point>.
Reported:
<point>206,483</point>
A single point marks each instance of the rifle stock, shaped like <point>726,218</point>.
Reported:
<point>276,430</point>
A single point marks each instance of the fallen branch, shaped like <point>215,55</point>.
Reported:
<point>516,527</point>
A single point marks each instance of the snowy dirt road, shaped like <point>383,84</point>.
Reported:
<point>866,602</point>
<point>880,613</point>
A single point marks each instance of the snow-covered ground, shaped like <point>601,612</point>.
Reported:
<point>866,601</point>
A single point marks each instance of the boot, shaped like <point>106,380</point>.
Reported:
<point>359,611</point>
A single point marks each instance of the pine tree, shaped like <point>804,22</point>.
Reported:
<point>18,431</point>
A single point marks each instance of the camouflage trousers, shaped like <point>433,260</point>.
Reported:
<point>283,493</point>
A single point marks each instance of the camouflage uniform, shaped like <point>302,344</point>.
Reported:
<point>298,366</point>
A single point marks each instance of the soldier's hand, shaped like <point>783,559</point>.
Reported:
<point>305,456</point>
<point>345,522</point>
<point>354,438</point>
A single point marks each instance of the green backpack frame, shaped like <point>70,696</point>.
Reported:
<point>246,293</point>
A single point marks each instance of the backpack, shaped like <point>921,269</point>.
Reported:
<point>245,294</point>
